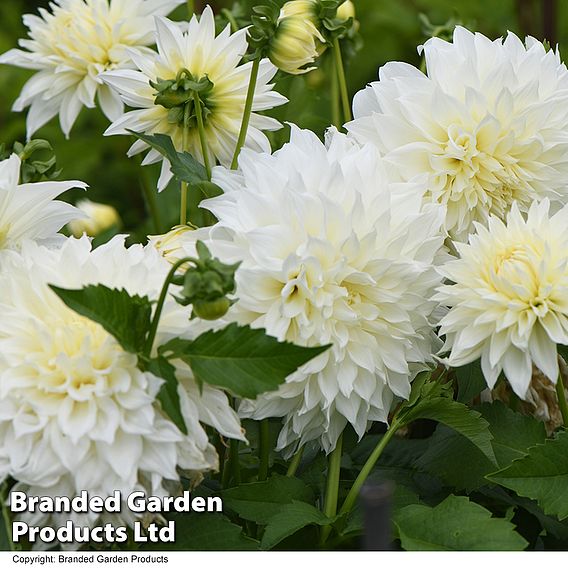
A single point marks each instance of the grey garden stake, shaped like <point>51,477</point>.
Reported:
<point>376,501</point>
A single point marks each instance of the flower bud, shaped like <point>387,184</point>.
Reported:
<point>346,10</point>
<point>297,42</point>
<point>206,285</point>
<point>98,218</point>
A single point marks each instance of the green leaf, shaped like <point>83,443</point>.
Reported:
<point>125,317</point>
<point>446,455</point>
<point>183,165</point>
<point>168,394</point>
<point>243,360</point>
<point>290,519</point>
<point>470,381</point>
<point>207,531</point>
<point>513,434</point>
<point>262,500</point>
<point>455,524</point>
<point>541,475</point>
<point>456,415</point>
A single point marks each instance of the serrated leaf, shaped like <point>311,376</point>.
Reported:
<point>182,164</point>
<point>541,475</point>
<point>455,524</point>
<point>245,361</point>
<point>262,500</point>
<point>207,531</point>
<point>125,317</point>
<point>457,416</point>
<point>513,434</point>
<point>168,394</point>
<point>446,455</point>
<point>290,519</point>
<point>470,381</point>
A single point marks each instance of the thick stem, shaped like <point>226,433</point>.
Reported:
<point>561,394</point>
<point>264,449</point>
<point>160,305</point>
<point>367,468</point>
<point>202,135</point>
<point>293,467</point>
<point>332,486</point>
<point>247,112</point>
<point>342,81</point>
<point>183,187</point>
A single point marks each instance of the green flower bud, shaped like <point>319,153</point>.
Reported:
<point>211,310</point>
<point>206,285</point>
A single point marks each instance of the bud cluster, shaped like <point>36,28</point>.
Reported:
<point>35,170</point>
<point>206,284</point>
<point>294,36</point>
<point>178,96</point>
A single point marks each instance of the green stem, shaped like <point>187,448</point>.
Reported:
<point>247,112</point>
<point>293,467</point>
<point>561,394</point>
<point>183,187</point>
<point>367,468</point>
<point>160,305</point>
<point>342,81</point>
<point>191,7</point>
<point>335,100</point>
<point>264,449</point>
<point>150,199</point>
<point>332,486</point>
<point>231,19</point>
<point>6,517</point>
<point>202,135</point>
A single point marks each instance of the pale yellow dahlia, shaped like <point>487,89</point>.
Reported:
<point>486,125</point>
<point>70,45</point>
<point>331,253</point>
<point>76,411</point>
<point>197,52</point>
<point>29,211</point>
<point>508,296</point>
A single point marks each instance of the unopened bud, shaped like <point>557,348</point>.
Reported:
<point>98,218</point>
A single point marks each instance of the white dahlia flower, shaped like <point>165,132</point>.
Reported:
<point>76,413</point>
<point>70,45</point>
<point>508,295</point>
<point>331,254</point>
<point>488,124</point>
<point>203,55</point>
<point>29,210</point>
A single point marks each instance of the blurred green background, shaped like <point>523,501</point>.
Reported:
<point>390,29</point>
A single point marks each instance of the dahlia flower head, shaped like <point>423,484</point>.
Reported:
<point>508,297</point>
<point>488,124</point>
<point>331,253</point>
<point>70,45</point>
<point>76,413</point>
<point>197,50</point>
<point>29,211</point>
